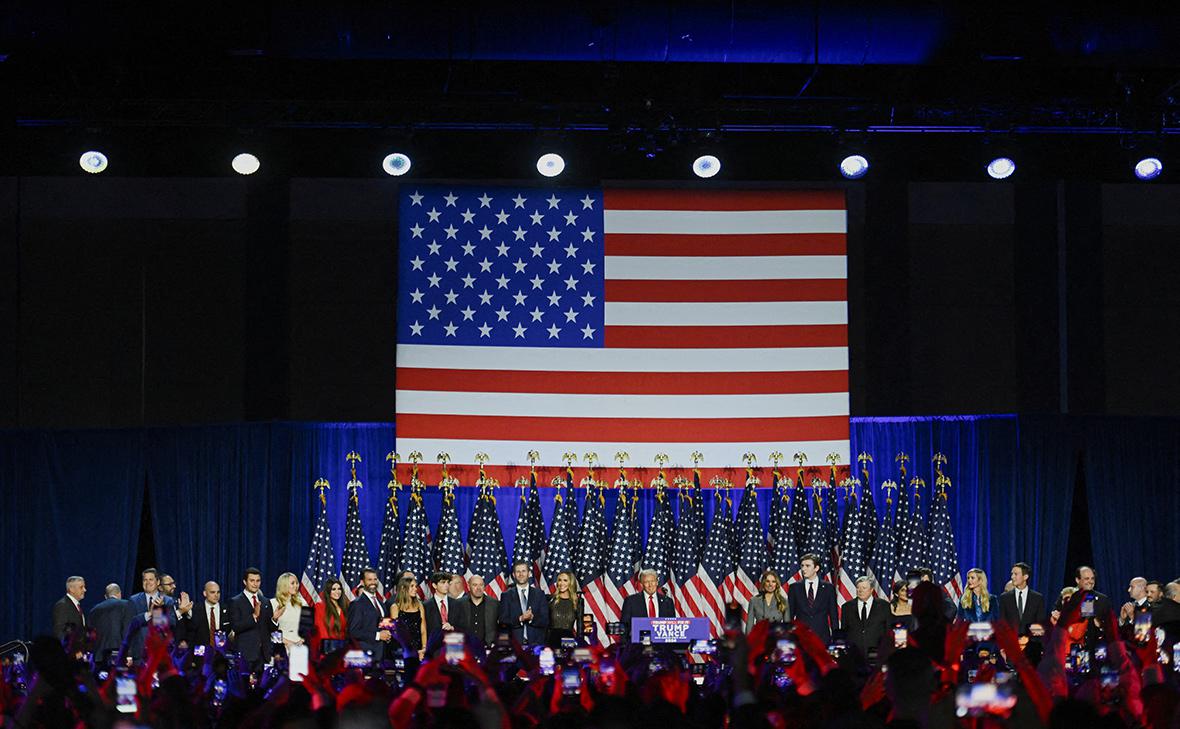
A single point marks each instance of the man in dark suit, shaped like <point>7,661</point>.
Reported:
<point>141,606</point>
<point>252,619</point>
<point>646,604</point>
<point>482,610</point>
<point>523,609</point>
<point>441,611</point>
<point>67,612</point>
<point>109,619</point>
<point>208,617</point>
<point>1166,614</point>
<point>865,619</point>
<point>1022,606</point>
<point>814,601</point>
<point>364,616</point>
<point>1085,577</point>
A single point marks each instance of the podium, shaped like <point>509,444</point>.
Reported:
<point>670,630</point>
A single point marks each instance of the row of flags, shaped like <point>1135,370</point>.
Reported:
<point>706,568</point>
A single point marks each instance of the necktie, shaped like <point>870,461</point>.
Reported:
<point>81,616</point>
<point>254,598</point>
<point>1020,603</point>
<point>377,607</point>
<point>651,606</point>
<point>863,610</point>
<point>212,624</point>
<point>442,610</point>
<point>810,593</point>
<point>524,601</point>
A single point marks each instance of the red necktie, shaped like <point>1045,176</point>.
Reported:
<point>212,624</point>
<point>651,606</point>
<point>255,598</point>
<point>810,593</point>
<point>442,610</point>
<point>81,617</point>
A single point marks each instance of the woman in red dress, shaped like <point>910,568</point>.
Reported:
<point>330,621</point>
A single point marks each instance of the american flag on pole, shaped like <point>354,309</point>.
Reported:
<point>448,545</point>
<point>356,551</point>
<point>784,559</point>
<point>852,542</point>
<point>529,542</point>
<point>389,553</point>
<point>647,321</point>
<point>817,534</point>
<point>489,558</point>
<point>605,594</point>
<point>687,543</point>
<point>751,545</point>
<point>801,514</point>
<point>558,558</point>
<point>416,552</point>
<point>883,562</point>
<point>659,534</point>
<point>703,589</point>
<point>901,517</point>
<point>590,550</point>
<point>845,583</point>
<point>918,542</point>
<point>944,558</point>
<point>321,558</point>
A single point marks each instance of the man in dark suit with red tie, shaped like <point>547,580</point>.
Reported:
<point>251,616</point>
<point>814,601</point>
<point>648,603</point>
<point>441,611</point>
<point>364,616</point>
<point>209,617</point>
<point>67,612</point>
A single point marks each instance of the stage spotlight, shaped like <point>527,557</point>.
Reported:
<point>396,164</point>
<point>854,166</point>
<point>245,164</point>
<point>706,166</point>
<point>93,162</point>
<point>1148,168</point>
<point>550,164</point>
<point>1001,168</point>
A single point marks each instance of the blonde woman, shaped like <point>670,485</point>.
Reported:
<point>565,608</point>
<point>406,612</point>
<point>978,605</point>
<point>769,604</point>
<point>288,608</point>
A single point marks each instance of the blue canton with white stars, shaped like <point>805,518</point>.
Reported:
<point>500,267</point>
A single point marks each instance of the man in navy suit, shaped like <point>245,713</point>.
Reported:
<point>252,619</point>
<point>364,616</point>
<point>141,606</point>
<point>523,608</point>
<point>814,601</point>
<point>109,619</point>
<point>648,603</point>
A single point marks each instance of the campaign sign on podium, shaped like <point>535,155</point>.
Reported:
<point>670,630</point>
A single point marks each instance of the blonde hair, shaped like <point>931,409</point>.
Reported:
<point>969,596</point>
<point>282,596</point>
<point>573,589</point>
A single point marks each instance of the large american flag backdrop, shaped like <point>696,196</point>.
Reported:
<point>638,320</point>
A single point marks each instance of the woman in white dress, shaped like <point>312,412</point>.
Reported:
<point>288,608</point>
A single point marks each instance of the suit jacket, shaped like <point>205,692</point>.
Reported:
<point>865,634</point>
<point>198,623</point>
<point>759,611</point>
<point>456,616</point>
<point>510,612</point>
<point>1034,610</point>
<point>66,615</point>
<point>363,619</point>
<point>1102,604</point>
<point>252,637</point>
<point>1166,615</point>
<point>821,616</point>
<point>109,619</point>
<point>489,610</point>
<point>137,606</point>
<point>635,606</point>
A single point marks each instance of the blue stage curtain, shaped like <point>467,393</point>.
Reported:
<point>70,504</point>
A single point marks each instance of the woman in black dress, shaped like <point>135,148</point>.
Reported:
<point>406,612</point>
<point>565,609</point>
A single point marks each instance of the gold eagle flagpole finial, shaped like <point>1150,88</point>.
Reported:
<point>353,458</point>
<point>394,485</point>
<point>320,484</point>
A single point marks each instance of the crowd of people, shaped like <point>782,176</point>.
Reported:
<point>460,657</point>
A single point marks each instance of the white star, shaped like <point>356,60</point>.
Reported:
<point>433,215</point>
<point>484,201</point>
<point>571,283</point>
<point>450,230</point>
<point>519,233</point>
<point>554,299</point>
<point>537,250</point>
<point>570,218</point>
<point>519,200</point>
<point>520,330</point>
<point>502,314</point>
<point>501,217</point>
<point>450,327</point>
<point>537,313</point>
<point>416,262</point>
<point>537,217</point>
<point>468,249</point>
<point>485,233</point>
<point>467,313</point>
<point>416,296</point>
<point>416,231</point>
<point>485,330</point>
<point>502,282</point>
<point>554,234</point>
<point>537,281</point>
<point>434,311</point>
<point>415,198</point>
<point>485,265</point>
<point>553,201</point>
<point>520,264</point>
<point>468,280</point>
<point>451,263</point>
<point>485,297</point>
<point>587,202</point>
<point>587,332</point>
<point>434,247</point>
<point>554,266</point>
<point>588,235</point>
<point>434,278</point>
<point>468,216</point>
<point>416,328</point>
<point>554,330</point>
<point>588,300</point>
<point>571,315</point>
<point>450,198</point>
<point>588,267</point>
<point>571,250</point>
<point>520,297</point>
<point>452,297</point>
<point>502,249</point>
